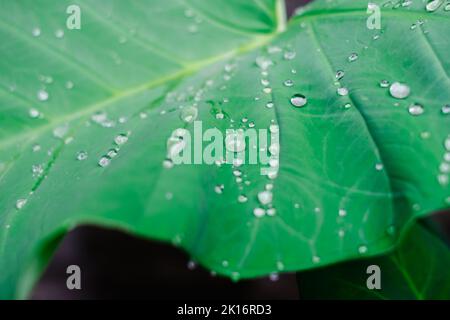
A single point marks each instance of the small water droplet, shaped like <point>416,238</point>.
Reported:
<point>315,259</point>
<point>274,277</point>
<point>36,148</point>
<point>298,100</point>
<point>69,85</point>
<point>42,95</point>
<point>444,167</point>
<point>191,265</point>
<point>384,83</point>
<point>235,142</point>
<point>36,32</point>
<point>34,113</point>
<point>289,55</point>
<point>340,74</point>
<point>269,105</point>
<point>121,139</point>
<point>167,164</point>
<point>342,212</point>
<point>82,155</point>
<point>259,212</point>
<point>263,62</point>
<point>242,198</point>
<point>379,166</point>
<point>104,161</point>
<point>347,106</point>
<point>399,90</point>
<point>416,109</point>
<point>189,114</point>
<point>220,116</point>
<point>219,189</point>
<point>446,109</point>
<point>20,203</point>
<point>59,33</point>
<point>271,212</point>
<point>61,131</point>
<point>343,91</point>
<point>265,82</point>
<point>288,83</point>
<point>353,57</point>
<point>362,249</point>
<point>265,197</point>
<point>267,90</point>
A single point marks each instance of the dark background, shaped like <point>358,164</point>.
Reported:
<point>116,265</point>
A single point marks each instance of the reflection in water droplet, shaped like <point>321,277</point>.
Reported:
<point>298,100</point>
<point>399,90</point>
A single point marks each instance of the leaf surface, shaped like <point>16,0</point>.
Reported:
<point>350,179</point>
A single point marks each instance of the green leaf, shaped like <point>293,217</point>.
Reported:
<point>417,269</point>
<point>349,182</point>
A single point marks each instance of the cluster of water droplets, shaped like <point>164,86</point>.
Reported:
<point>106,159</point>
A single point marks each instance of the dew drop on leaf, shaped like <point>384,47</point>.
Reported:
<point>104,162</point>
<point>446,109</point>
<point>42,95</point>
<point>415,109</point>
<point>340,74</point>
<point>362,249</point>
<point>298,100</point>
<point>242,198</point>
<point>384,83</point>
<point>353,57</point>
<point>265,197</point>
<point>259,212</point>
<point>121,139</point>
<point>21,203</point>
<point>433,5</point>
<point>288,83</point>
<point>36,32</point>
<point>82,155</point>
<point>34,113</point>
<point>399,90</point>
<point>189,114</point>
<point>342,91</point>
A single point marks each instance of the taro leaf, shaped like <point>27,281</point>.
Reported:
<point>354,170</point>
<point>417,269</point>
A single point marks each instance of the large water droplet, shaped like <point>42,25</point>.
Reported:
<point>433,5</point>
<point>399,90</point>
<point>265,197</point>
<point>298,100</point>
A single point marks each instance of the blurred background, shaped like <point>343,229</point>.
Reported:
<point>116,265</point>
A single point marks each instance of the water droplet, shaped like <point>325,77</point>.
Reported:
<point>59,33</point>
<point>104,162</point>
<point>447,144</point>
<point>447,7</point>
<point>191,265</point>
<point>274,149</point>
<point>269,105</point>
<point>82,155</point>
<point>444,167</point>
<point>347,106</point>
<point>36,32</point>
<point>274,277</point>
<point>298,100</point>
<point>399,90</point>
<point>415,109</point>
<point>220,116</point>
<point>167,164</point>
<point>42,95</point>
<point>315,259</point>
<point>265,82</point>
<point>353,57</point>
<point>342,212</point>
<point>340,74</point>
<point>189,114</point>
<point>121,139</point>
<point>192,28</point>
<point>20,203</point>
<point>225,263</point>
<point>259,212</point>
<point>69,85</point>
<point>447,156</point>
<point>112,153</point>
<point>274,128</point>
<point>36,148</point>
<point>384,83</point>
<point>219,189</point>
<point>413,26</point>
<point>265,197</point>
<point>288,83</point>
<point>446,109</point>
<point>267,90</point>
<point>235,142</point>
<point>61,131</point>
<point>433,5</point>
<point>443,179</point>
<point>235,276</point>
<point>289,55</point>
<point>342,91</point>
<point>37,170</point>
<point>242,198</point>
<point>379,166</point>
<point>269,186</point>
<point>280,265</point>
<point>263,62</point>
<point>271,212</point>
<point>34,113</point>
<point>362,249</point>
